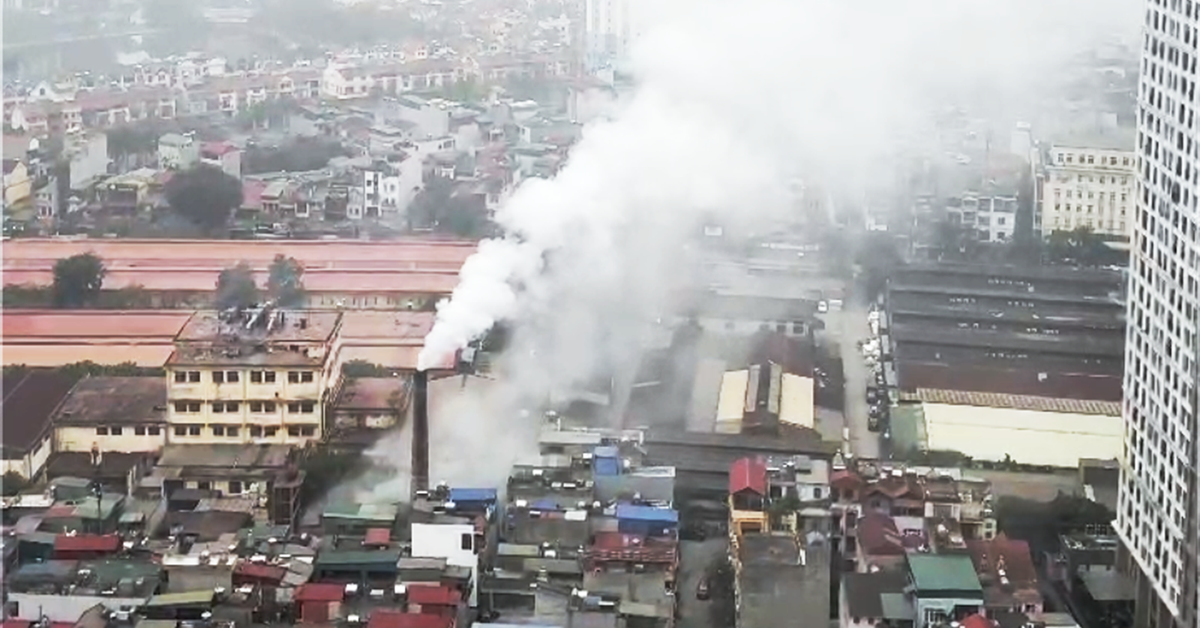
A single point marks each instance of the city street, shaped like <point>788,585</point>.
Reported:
<point>853,318</point>
<point>694,559</point>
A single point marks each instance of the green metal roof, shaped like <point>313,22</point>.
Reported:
<point>356,558</point>
<point>944,572</point>
<point>187,598</point>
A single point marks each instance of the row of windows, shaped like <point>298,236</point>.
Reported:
<point>1111,195</point>
<point>235,431</point>
<point>1079,208</point>
<point>267,407</point>
<point>138,430</point>
<point>1087,178</point>
<point>233,377</point>
<point>1069,158</point>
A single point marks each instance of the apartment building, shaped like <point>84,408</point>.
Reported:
<point>1089,182</point>
<point>1157,510</point>
<point>257,376</point>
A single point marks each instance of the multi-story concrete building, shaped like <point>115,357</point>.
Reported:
<point>257,376</point>
<point>1157,510</point>
<point>1089,183</point>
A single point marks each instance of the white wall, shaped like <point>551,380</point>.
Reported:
<point>446,541</point>
<point>82,438</point>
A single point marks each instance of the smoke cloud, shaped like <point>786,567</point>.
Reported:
<point>733,101</point>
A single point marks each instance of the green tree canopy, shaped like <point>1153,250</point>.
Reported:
<point>284,282</point>
<point>77,280</point>
<point>205,196</point>
<point>236,287</point>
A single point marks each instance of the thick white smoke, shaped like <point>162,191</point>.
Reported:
<point>735,98</point>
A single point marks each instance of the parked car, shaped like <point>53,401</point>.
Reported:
<point>702,589</point>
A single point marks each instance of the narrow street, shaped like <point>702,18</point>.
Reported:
<point>863,442</point>
<point>694,559</point>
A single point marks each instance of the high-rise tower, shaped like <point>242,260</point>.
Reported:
<point>1157,511</point>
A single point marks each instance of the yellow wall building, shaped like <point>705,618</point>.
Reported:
<point>260,377</point>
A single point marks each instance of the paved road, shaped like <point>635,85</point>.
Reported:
<point>863,442</point>
<point>695,556</point>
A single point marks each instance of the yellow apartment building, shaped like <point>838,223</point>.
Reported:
<point>259,376</point>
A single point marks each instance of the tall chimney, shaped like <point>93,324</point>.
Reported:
<point>420,432</point>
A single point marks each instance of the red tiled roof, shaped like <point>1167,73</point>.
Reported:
<point>320,592</point>
<point>433,595</point>
<point>388,618</point>
<point>845,479</point>
<point>87,543</point>
<point>878,536</point>
<point>747,474</point>
<point>378,536</point>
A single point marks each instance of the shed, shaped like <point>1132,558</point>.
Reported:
<point>85,546</point>
<point>319,602</point>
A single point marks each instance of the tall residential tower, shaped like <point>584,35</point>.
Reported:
<point>1157,513</point>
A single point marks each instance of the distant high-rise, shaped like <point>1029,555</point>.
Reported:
<point>1157,511</point>
<point>607,31</point>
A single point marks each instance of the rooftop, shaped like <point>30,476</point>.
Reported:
<point>934,573</point>
<point>781,583</point>
<point>373,393</point>
<point>116,400</point>
<point>877,595</point>
<point>225,456</point>
<point>30,399</point>
<point>275,326</point>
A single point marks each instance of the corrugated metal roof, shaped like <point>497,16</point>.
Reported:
<point>186,598</point>
<point>320,592</point>
<point>647,513</point>
<point>747,474</point>
<point>1014,402</point>
<point>87,543</point>
<point>433,595</point>
<point>388,618</point>
<point>796,401</point>
<point>472,495</point>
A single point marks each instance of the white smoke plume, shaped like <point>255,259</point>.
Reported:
<point>733,100</point>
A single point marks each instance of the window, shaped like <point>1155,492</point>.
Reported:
<point>102,431</point>
<point>256,377</point>
<point>262,406</point>
<point>232,377</point>
<point>306,376</point>
<point>218,407</point>
<point>218,377</point>
<point>307,430</point>
<point>193,430</point>
<point>307,407</point>
<point>115,431</point>
<point>153,430</point>
<point>269,377</point>
<point>260,377</point>
<point>235,487</point>
<point>467,542</point>
<point>181,377</point>
<point>293,430</point>
<point>270,432</point>
<point>139,431</point>
<point>194,377</point>
<point>181,430</point>
<point>256,431</point>
<point>293,377</point>
<point>232,431</point>
<point>187,406</point>
<point>204,486</point>
<point>218,430</point>
<point>294,407</point>
<point>232,406</point>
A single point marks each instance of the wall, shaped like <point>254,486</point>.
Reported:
<point>1113,217</point>
<point>281,393</point>
<point>68,608</point>
<point>89,159</point>
<point>74,438</point>
<point>446,541</point>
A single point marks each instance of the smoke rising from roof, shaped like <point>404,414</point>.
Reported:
<point>734,100</point>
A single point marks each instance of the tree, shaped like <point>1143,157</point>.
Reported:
<point>77,280</point>
<point>236,287</point>
<point>13,483</point>
<point>284,283</point>
<point>440,208</point>
<point>205,196</point>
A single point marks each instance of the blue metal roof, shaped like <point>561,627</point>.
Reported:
<point>606,451</point>
<point>647,513</point>
<point>472,495</point>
